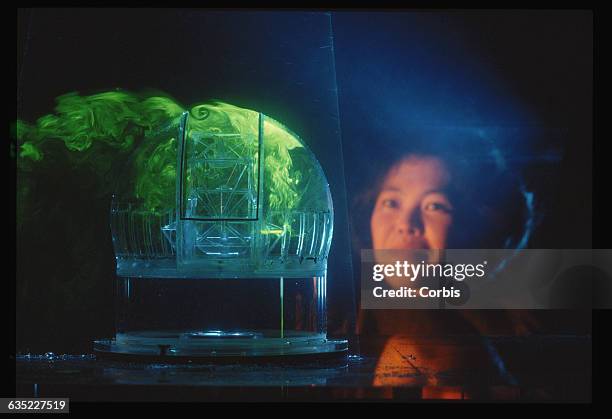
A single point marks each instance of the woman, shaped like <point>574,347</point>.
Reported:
<point>439,195</point>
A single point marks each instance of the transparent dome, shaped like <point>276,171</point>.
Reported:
<point>222,192</point>
<point>222,225</point>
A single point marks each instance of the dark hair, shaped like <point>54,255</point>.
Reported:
<point>489,206</point>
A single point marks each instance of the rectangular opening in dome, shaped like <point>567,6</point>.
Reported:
<point>219,178</point>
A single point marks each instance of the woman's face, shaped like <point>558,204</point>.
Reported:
<point>412,211</point>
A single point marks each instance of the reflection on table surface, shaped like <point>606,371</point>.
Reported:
<point>398,367</point>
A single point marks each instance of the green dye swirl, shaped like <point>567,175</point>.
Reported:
<point>113,118</point>
<point>100,129</point>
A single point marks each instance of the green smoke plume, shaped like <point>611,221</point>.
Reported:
<point>100,131</point>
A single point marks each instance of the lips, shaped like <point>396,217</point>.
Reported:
<point>410,244</point>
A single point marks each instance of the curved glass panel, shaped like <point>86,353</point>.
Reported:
<point>222,192</point>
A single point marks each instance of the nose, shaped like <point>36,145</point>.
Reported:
<point>411,222</point>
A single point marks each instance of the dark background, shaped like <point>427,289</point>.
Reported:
<point>526,72</point>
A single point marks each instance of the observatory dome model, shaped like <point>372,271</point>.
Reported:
<point>222,224</point>
<point>231,193</point>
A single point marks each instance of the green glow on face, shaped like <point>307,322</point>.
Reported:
<point>97,129</point>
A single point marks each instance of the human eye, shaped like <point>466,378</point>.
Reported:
<point>438,204</point>
<point>388,200</point>
<point>390,203</point>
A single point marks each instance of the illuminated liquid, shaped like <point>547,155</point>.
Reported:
<point>198,309</point>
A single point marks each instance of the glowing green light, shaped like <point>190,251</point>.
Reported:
<point>277,232</point>
<point>98,128</point>
<point>29,150</point>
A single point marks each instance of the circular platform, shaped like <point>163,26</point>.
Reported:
<point>215,345</point>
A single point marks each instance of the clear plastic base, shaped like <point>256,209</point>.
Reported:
<point>218,344</point>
